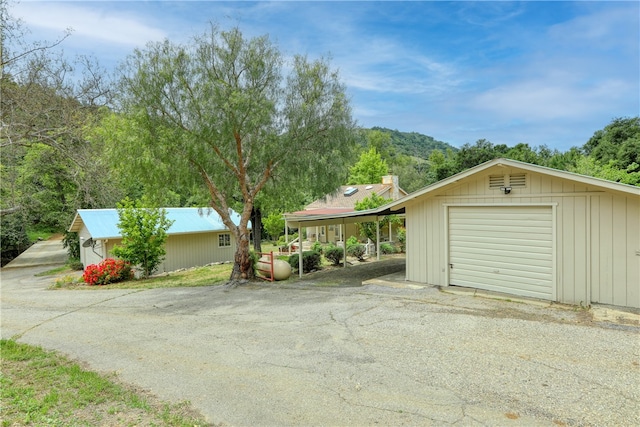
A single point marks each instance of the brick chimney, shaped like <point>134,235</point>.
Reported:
<point>392,180</point>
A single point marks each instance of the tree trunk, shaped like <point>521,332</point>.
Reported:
<point>256,223</point>
<point>242,267</point>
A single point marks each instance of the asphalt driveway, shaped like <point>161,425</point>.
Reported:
<point>266,355</point>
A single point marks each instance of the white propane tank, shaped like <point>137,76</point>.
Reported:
<point>281,269</point>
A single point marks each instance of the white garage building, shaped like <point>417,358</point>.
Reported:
<point>526,230</point>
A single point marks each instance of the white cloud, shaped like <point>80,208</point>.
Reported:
<point>548,100</point>
<point>93,24</point>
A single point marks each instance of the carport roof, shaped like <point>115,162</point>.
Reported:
<point>398,206</point>
<point>103,223</point>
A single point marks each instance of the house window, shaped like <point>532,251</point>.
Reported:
<point>224,240</point>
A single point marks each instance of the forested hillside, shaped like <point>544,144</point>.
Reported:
<point>414,144</point>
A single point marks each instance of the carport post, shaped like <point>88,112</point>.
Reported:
<point>378,238</point>
<point>344,243</point>
<point>300,250</point>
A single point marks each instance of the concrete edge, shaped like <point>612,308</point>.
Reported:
<point>599,313</point>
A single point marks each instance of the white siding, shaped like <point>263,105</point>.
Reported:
<point>597,234</point>
<point>189,250</point>
<point>90,255</point>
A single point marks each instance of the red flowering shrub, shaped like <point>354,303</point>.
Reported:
<point>108,271</point>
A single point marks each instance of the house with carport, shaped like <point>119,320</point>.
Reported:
<point>197,237</point>
<point>344,200</point>
<point>525,230</point>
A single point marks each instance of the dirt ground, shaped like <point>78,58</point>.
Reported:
<point>353,275</point>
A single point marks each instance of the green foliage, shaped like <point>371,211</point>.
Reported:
<point>618,141</point>
<point>610,171</point>
<point>144,233</point>
<point>311,260</point>
<point>43,388</point>
<point>317,247</point>
<point>441,166</point>
<point>75,264</point>
<point>334,254</point>
<point>480,152</point>
<point>357,251</point>
<point>230,129</point>
<point>352,240</point>
<point>401,235</point>
<point>369,229</point>
<point>47,176</point>
<point>274,225</point>
<point>413,144</point>
<point>369,169</point>
<point>387,248</point>
<point>71,242</point>
<point>292,237</point>
<point>13,236</point>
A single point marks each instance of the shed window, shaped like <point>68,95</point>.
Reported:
<point>518,180</point>
<point>496,181</point>
<point>224,240</point>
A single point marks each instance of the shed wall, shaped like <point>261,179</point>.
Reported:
<point>597,234</point>
<point>189,250</point>
<point>90,255</point>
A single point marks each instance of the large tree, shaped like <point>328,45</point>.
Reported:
<point>231,114</point>
<point>369,169</point>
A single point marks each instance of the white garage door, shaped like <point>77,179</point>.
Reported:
<point>502,248</point>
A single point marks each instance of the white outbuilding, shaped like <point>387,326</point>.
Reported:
<point>526,230</point>
<point>197,237</point>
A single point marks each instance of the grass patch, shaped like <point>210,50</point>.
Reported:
<point>63,269</point>
<point>40,234</point>
<point>200,276</point>
<point>39,387</point>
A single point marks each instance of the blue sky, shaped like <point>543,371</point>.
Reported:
<point>538,72</point>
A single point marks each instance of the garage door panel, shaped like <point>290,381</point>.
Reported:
<point>536,272</point>
<point>504,282</point>
<point>502,248</point>
<point>530,226</point>
<point>508,287</point>
<point>495,235</point>
<point>518,260</point>
<point>537,240</point>
<point>537,252</point>
<point>507,213</point>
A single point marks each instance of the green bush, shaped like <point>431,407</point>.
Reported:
<point>144,233</point>
<point>282,239</point>
<point>75,264</point>
<point>317,247</point>
<point>402,238</point>
<point>357,251</point>
<point>387,248</point>
<point>311,260</point>
<point>334,254</point>
<point>71,243</point>
<point>353,240</point>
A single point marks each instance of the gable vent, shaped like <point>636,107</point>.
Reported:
<point>496,181</point>
<point>518,180</point>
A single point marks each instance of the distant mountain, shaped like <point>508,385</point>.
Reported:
<point>415,144</point>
